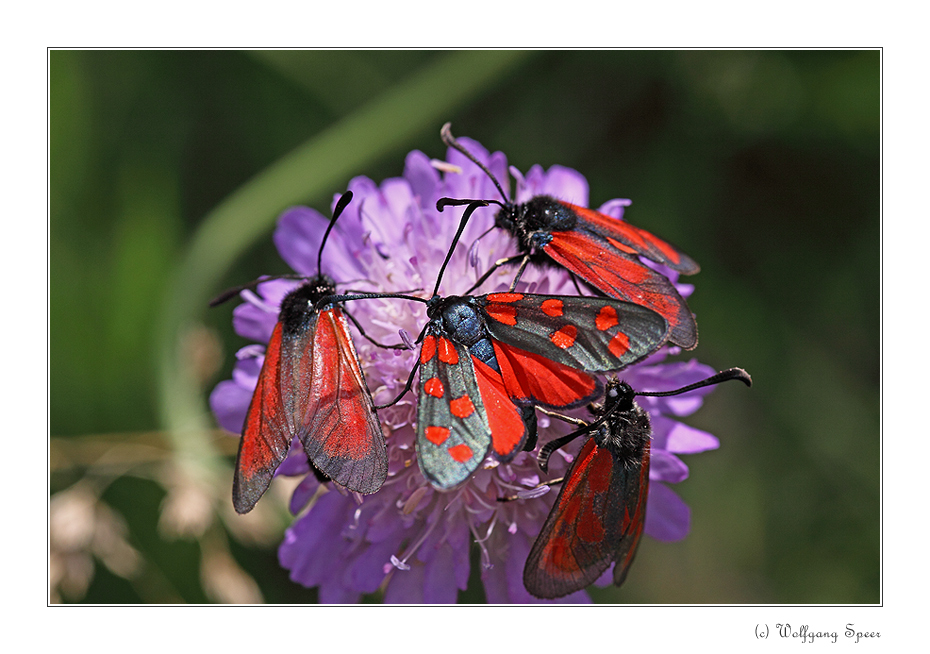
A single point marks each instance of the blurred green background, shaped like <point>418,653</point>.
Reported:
<point>168,170</point>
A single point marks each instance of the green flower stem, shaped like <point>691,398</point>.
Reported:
<point>320,166</point>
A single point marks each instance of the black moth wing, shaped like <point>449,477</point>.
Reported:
<point>587,333</point>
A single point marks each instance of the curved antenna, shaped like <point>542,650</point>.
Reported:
<point>448,139</point>
<point>230,293</point>
<point>726,375</point>
<point>337,211</point>
<point>333,299</point>
<point>546,451</point>
<point>472,206</point>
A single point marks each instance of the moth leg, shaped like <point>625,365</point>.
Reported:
<point>407,387</point>
<point>530,493</point>
<point>399,346</point>
<point>490,271</point>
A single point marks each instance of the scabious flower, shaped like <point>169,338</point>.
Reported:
<point>408,539</point>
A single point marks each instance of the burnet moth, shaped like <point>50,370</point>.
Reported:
<point>311,386</point>
<point>486,360</point>
<point>603,251</point>
<point>600,512</point>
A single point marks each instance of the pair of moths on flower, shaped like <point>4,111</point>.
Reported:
<point>485,363</point>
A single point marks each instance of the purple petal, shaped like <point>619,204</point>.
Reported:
<point>423,177</point>
<point>680,438</point>
<point>668,518</point>
<point>367,571</point>
<point>472,182</point>
<point>302,494</point>
<point>606,579</point>
<point>256,317</point>
<point>296,462</point>
<point>439,578</point>
<point>229,402</point>
<point>667,467</point>
<point>254,323</point>
<point>298,236</point>
<point>684,290</point>
<point>566,184</point>
<point>406,586</point>
<point>314,542</point>
<point>615,208</point>
<point>337,593</point>
<point>379,217</point>
<point>249,361</point>
<point>672,376</point>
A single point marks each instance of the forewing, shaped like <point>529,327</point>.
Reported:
<point>634,240</point>
<point>597,519</point>
<point>587,333</point>
<point>630,514</point>
<point>572,550</point>
<point>267,432</point>
<point>453,433</point>
<point>339,428</point>
<point>623,276</point>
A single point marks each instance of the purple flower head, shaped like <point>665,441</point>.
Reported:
<point>410,540</point>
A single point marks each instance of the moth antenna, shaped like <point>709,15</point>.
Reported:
<point>333,299</point>
<point>337,211</point>
<point>230,293</point>
<point>448,139</point>
<point>726,375</point>
<point>472,206</point>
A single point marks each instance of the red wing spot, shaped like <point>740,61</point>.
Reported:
<point>428,350</point>
<point>572,508</point>
<point>502,313</point>
<point>619,344</point>
<point>447,353</point>
<point>462,407</point>
<point>505,298</point>
<point>620,246</point>
<point>606,318</point>
<point>565,337</point>
<point>599,472</point>
<point>561,555</point>
<point>552,307</point>
<point>590,528</point>
<point>434,387</point>
<point>460,452</point>
<point>436,435</point>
